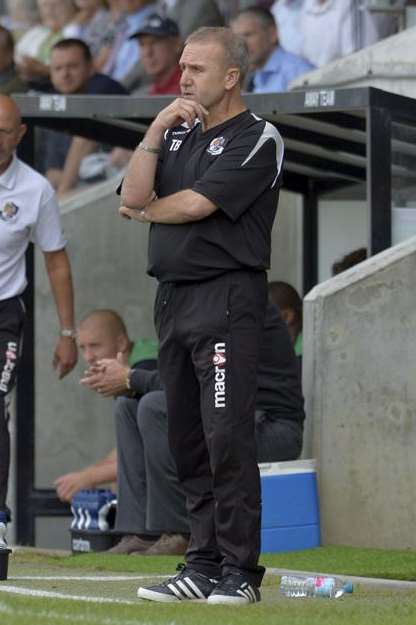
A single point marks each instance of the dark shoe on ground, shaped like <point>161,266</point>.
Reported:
<point>169,545</point>
<point>130,544</point>
<point>233,589</point>
<point>187,585</point>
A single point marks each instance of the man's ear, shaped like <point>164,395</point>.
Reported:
<point>232,78</point>
<point>22,131</point>
<point>178,46</point>
<point>274,35</point>
<point>123,343</point>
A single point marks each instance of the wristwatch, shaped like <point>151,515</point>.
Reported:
<point>69,332</point>
<point>127,382</point>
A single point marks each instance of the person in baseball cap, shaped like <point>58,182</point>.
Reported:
<point>160,48</point>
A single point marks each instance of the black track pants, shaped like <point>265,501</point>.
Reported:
<point>11,326</point>
<point>209,336</point>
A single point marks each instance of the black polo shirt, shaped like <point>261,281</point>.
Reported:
<point>237,165</point>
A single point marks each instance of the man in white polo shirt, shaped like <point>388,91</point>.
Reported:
<point>28,213</point>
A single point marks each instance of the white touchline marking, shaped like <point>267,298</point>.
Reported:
<point>84,578</point>
<point>72,618</point>
<point>28,592</point>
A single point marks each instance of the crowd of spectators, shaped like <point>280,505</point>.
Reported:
<point>137,44</point>
<point>317,31</point>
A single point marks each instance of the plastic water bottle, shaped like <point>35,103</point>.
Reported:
<point>317,586</point>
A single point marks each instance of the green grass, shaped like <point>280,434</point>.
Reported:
<point>373,608</point>
<point>367,605</point>
<point>349,561</point>
<point>341,560</point>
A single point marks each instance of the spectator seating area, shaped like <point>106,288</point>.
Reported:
<point>140,54</point>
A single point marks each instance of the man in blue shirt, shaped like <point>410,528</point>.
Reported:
<point>272,67</point>
<point>126,53</point>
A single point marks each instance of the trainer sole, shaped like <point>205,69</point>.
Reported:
<point>227,600</point>
<point>151,595</point>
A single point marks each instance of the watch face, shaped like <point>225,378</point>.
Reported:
<point>69,333</point>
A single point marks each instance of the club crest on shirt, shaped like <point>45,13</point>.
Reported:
<point>9,212</point>
<point>216,146</point>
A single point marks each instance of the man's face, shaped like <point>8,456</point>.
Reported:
<point>260,40</point>
<point>96,342</point>
<point>11,133</point>
<point>158,54</point>
<point>205,75</point>
<point>70,70</point>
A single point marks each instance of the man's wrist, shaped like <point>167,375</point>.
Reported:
<point>154,135</point>
<point>129,392</point>
<point>148,148</point>
<point>144,214</point>
<point>68,333</point>
<point>127,379</point>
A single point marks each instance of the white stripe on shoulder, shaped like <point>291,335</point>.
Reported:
<point>188,127</point>
<point>184,125</point>
<point>269,132</point>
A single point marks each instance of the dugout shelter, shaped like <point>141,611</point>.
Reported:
<point>334,139</point>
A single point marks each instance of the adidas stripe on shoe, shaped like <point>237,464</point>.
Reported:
<point>187,585</point>
<point>234,590</point>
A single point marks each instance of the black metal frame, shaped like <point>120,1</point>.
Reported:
<point>334,139</point>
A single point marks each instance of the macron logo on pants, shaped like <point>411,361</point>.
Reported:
<point>6,374</point>
<point>219,361</point>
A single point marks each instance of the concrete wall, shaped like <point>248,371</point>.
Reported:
<point>342,228</point>
<point>286,263</point>
<point>359,383</point>
<point>387,64</point>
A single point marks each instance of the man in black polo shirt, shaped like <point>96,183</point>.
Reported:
<point>206,176</point>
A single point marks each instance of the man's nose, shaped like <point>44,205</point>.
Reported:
<point>89,356</point>
<point>185,79</point>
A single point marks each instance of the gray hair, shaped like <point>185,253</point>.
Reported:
<point>236,52</point>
